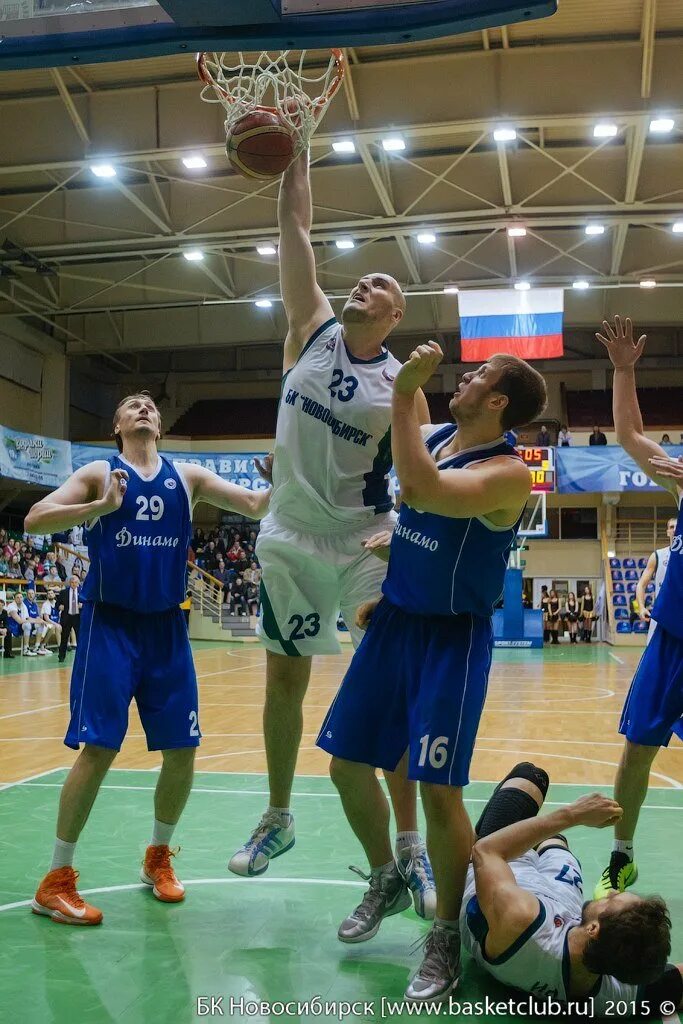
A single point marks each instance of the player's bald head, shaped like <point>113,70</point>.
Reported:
<point>377,298</point>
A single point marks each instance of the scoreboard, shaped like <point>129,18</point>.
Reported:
<point>541,464</point>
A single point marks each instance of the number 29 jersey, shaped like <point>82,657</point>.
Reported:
<point>138,554</point>
<point>333,439</point>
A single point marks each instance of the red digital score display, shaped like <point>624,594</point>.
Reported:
<point>541,464</point>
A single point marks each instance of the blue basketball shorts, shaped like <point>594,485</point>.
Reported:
<point>123,655</point>
<point>654,706</point>
<point>415,683</point>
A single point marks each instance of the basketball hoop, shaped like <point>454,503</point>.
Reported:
<point>244,87</point>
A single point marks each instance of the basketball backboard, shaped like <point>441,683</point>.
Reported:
<point>50,33</point>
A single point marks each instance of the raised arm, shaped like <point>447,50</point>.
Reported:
<point>508,908</point>
<point>204,485</point>
<point>305,303</point>
<point>650,570</point>
<point>493,486</point>
<point>80,499</point>
<point>624,353</point>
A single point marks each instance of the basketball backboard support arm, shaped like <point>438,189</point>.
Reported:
<point>53,33</point>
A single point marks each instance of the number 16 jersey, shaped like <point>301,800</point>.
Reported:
<point>138,554</point>
<point>333,439</point>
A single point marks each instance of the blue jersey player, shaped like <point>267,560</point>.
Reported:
<point>654,705</point>
<point>415,689</point>
<point>133,637</point>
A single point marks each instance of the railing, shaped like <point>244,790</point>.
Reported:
<point>609,590</point>
<point>206,591</point>
<point>640,536</point>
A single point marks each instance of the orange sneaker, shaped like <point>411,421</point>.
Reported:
<point>58,898</point>
<point>158,872</point>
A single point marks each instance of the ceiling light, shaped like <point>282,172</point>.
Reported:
<point>648,283</point>
<point>518,232</point>
<point>103,170</point>
<point>594,229</point>
<point>505,134</point>
<point>450,289</point>
<point>605,130</point>
<point>677,228</point>
<point>344,146</point>
<point>195,162</point>
<point>662,124</point>
<point>393,143</point>
<point>426,238</point>
<point>345,243</point>
<point>266,249</point>
<point>263,303</point>
<point>193,255</point>
<point>522,286</point>
<point>581,286</point>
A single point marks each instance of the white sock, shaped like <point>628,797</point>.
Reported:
<point>451,926</point>
<point>63,856</point>
<point>162,833</point>
<point>624,846</point>
<point>404,841</point>
<point>283,813</point>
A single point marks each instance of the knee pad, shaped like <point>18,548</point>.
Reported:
<point>508,806</point>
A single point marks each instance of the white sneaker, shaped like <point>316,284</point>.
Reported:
<point>42,651</point>
<point>268,840</point>
<point>30,654</point>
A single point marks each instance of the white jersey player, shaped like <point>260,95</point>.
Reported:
<point>525,922</point>
<point>655,570</point>
<point>330,497</point>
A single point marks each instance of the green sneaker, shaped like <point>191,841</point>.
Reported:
<point>620,874</point>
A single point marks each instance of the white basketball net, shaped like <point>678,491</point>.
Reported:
<point>300,98</point>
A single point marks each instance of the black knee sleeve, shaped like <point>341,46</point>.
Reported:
<point>508,806</point>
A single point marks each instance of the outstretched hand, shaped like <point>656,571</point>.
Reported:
<point>618,340</point>
<point>664,465</point>
<point>419,368</point>
<point>379,544</point>
<point>596,811</point>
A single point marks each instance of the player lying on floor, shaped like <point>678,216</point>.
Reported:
<point>523,917</point>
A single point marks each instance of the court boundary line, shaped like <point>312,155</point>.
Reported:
<point>29,778</point>
<point>326,796</point>
<point>130,886</point>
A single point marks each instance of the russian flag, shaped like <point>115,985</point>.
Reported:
<point>525,324</point>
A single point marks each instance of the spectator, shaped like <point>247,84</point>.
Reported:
<point>4,564</point>
<point>5,634</point>
<point>53,579</point>
<point>225,576</point>
<point>252,574</point>
<point>597,437</point>
<point>237,555</point>
<point>210,557</point>
<point>50,614</point>
<point>16,615</point>
<point>553,616</point>
<point>186,607</point>
<point>543,437</point>
<point>35,622</point>
<point>14,569</point>
<point>191,555</point>
<point>544,608</point>
<point>40,571</point>
<point>251,593</point>
<point>238,601</point>
<point>61,568</point>
<point>666,439</point>
<point>586,613</point>
<point>571,612</point>
<point>30,571</point>
<point>70,604</point>
<point>564,438</point>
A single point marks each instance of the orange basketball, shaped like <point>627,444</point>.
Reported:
<point>260,145</point>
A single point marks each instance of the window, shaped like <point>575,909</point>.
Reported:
<point>578,523</point>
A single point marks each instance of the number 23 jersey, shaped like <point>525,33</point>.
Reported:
<point>138,554</point>
<point>333,440</point>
